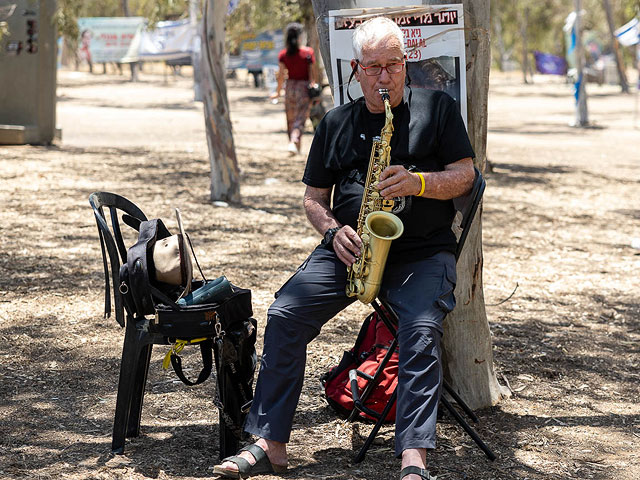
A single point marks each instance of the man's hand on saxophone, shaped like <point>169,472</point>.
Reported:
<point>347,244</point>
<point>344,241</point>
<point>397,181</point>
<point>454,181</point>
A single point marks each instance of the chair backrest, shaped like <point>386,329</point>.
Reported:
<point>114,251</point>
<point>466,206</point>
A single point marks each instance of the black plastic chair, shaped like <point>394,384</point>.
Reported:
<point>138,340</point>
<point>142,333</point>
<point>466,207</point>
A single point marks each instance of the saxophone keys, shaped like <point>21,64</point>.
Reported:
<point>355,268</point>
<point>350,290</point>
<point>365,254</point>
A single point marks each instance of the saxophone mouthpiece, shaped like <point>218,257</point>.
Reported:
<point>384,93</point>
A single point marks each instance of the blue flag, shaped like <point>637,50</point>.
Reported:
<point>550,64</point>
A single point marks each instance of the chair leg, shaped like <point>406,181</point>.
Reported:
<point>126,383</point>
<point>459,401</point>
<point>363,450</point>
<point>467,428</point>
<point>135,410</point>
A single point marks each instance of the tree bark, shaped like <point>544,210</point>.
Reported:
<point>468,354</point>
<point>225,175</point>
<point>582,113</point>
<point>524,25</point>
<point>133,66</point>
<point>497,29</point>
<point>312,40</point>
<point>196,61</point>
<point>622,75</point>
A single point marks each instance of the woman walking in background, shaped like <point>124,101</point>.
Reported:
<point>296,62</point>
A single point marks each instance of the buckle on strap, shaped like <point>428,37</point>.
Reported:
<point>177,347</point>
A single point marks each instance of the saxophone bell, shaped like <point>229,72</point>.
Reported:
<point>383,228</point>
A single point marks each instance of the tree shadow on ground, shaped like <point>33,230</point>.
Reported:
<point>630,212</point>
<point>511,174</point>
<point>528,129</point>
<point>97,81</point>
<point>556,354</point>
<point>189,105</point>
<point>257,98</point>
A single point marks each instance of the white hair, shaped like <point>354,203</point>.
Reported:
<point>374,30</point>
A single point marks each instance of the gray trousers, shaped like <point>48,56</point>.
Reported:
<point>420,292</point>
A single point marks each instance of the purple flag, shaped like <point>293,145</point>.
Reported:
<point>550,64</point>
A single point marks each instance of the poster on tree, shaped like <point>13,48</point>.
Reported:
<point>434,43</point>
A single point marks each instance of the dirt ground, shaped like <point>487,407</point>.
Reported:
<point>560,212</point>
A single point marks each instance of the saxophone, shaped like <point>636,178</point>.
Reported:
<point>377,226</point>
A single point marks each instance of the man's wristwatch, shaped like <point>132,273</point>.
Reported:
<point>327,241</point>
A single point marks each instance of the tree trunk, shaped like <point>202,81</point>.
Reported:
<point>225,175</point>
<point>524,25</point>
<point>312,40</point>
<point>497,29</point>
<point>468,354</point>
<point>622,75</point>
<point>196,61</point>
<point>133,66</point>
<point>582,115</point>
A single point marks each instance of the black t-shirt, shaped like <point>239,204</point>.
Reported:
<point>428,134</point>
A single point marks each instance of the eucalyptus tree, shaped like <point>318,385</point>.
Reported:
<point>622,74</point>
<point>225,174</point>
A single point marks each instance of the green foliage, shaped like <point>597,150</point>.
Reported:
<point>254,16</point>
<point>66,18</point>
<point>544,20</point>
<point>153,10</point>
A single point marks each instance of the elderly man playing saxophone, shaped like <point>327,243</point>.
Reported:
<point>431,163</point>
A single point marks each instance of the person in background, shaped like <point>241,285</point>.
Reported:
<point>296,62</point>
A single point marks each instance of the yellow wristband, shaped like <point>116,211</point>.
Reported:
<point>422,185</point>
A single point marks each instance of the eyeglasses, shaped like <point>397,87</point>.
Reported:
<point>374,70</point>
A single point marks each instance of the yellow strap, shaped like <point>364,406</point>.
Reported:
<point>177,348</point>
<point>422,184</point>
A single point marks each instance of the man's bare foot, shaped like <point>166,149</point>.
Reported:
<point>276,453</point>
<point>414,457</point>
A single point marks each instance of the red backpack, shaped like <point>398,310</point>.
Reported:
<point>371,346</point>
